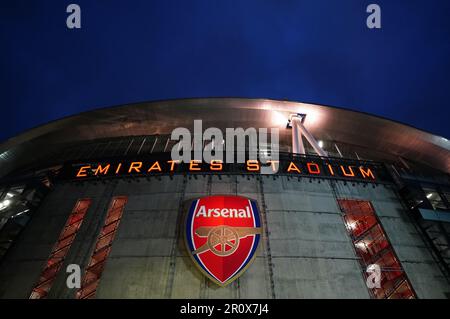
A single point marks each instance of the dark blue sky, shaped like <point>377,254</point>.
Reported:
<point>313,51</point>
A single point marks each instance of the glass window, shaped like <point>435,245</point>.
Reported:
<point>373,248</point>
<point>447,197</point>
<point>434,198</point>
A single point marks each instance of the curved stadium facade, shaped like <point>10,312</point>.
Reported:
<point>351,191</point>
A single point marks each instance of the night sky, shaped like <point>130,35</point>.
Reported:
<point>314,51</point>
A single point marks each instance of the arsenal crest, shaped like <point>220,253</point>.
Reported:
<point>222,234</point>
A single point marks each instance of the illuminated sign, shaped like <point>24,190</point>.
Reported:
<point>222,234</point>
<point>305,166</point>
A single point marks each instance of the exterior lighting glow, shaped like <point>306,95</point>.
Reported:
<point>361,245</point>
<point>352,226</point>
<point>4,204</point>
<point>22,212</point>
<point>278,119</point>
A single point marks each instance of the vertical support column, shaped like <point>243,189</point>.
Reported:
<point>311,139</point>
<point>178,233</point>
<point>299,130</point>
<point>60,250</point>
<point>265,237</point>
<point>297,142</point>
<point>339,151</point>
<point>102,249</point>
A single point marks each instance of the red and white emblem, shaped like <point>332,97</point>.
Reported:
<point>222,234</point>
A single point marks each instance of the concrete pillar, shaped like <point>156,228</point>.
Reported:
<point>298,129</point>
<point>297,142</point>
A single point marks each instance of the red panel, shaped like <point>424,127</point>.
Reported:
<point>358,216</point>
<point>371,244</point>
<point>59,251</point>
<point>372,247</point>
<point>102,249</point>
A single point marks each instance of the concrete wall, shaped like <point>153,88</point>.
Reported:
<point>305,252</point>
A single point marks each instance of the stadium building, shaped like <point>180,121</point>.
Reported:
<point>351,190</point>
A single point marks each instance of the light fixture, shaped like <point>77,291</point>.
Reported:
<point>320,144</point>
<point>429,195</point>
<point>4,204</point>
<point>360,245</point>
<point>21,213</point>
<point>352,226</point>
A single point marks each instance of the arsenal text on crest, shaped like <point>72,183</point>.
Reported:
<point>224,212</point>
